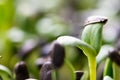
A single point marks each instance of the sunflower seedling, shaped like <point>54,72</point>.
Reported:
<point>56,60</point>
<point>90,43</point>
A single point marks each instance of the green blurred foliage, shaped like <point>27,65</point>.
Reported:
<point>45,20</point>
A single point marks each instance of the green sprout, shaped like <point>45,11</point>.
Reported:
<point>114,67</point>
<point>90,43</point>
<point>5,73</point>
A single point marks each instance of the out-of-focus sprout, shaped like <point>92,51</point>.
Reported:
<point>103,53</point>
<point>5,73</point>
<point>57,64</point>
<point>26,9</point>
<point>21,71</point>
<point>51,27</point>
<point>112,66</point>
<point>107,78</point>
<point>108,68</point>
<point>16,35</point>
<point>115,58</point>
<point>47,7</point>
<point>31,79</point>
<point>31,7</point>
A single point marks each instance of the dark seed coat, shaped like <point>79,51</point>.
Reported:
<point>21,71</point>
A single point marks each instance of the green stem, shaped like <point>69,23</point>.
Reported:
<point>108,68</point>
<point>116,71</point>
<point>4,77</point>
<point>54,75</point>
<point>92,67</point>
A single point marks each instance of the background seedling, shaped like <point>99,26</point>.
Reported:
<point>5,73</point>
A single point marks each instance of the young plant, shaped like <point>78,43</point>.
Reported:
<point>54,67</point>
<point>90,42</point>
<point>5,73</point>
<point>115,61</point>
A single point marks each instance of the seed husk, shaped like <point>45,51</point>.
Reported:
<point>44,72</point>
<point>57,55</point>
<point>95,19</point>
<point>115,56</point>
<point>21,71</point>
<point>78,74</point>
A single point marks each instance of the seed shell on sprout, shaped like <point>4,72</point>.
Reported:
<point>95,19</point>
<point>47,66</point>
<point>78,74</point>
<point>115,56</point>
<point>57,55</point>
<point>49,75</point>
<point>21,71</point>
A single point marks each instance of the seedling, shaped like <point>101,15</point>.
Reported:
<point>112,65</point>
<point>90,42</point>
<point>5,73</point>
<point>51,70</point>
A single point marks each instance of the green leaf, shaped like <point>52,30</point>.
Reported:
<point>5,72</point>
<point>107,78</point>
<point>92,33</point>
<point>103,53</point>
<point>108,68</point>
<point>72,41</point>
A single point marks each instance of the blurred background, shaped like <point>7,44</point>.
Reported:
<point>26,26</point>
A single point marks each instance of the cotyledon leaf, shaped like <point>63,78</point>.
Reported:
<point>88,50</point>
<point>5,71</point>
<point>107,78</point>
<point>86,34</point>
<point>72,41</point>
<point>90,43</point>
<point>92,33</point>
